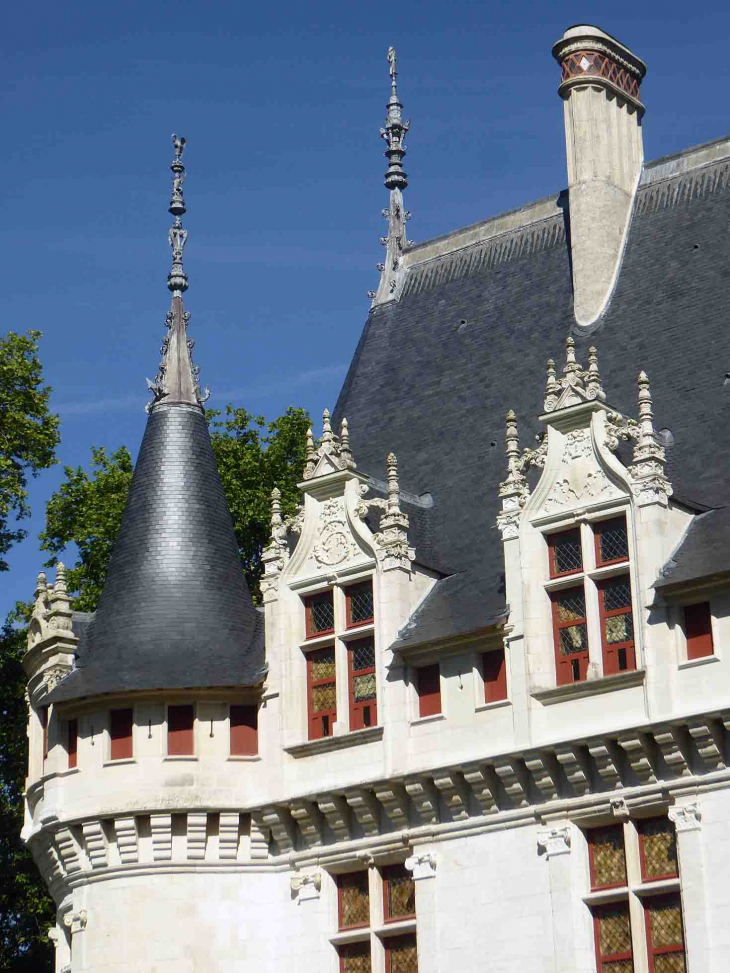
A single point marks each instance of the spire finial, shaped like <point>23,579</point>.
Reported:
<point>311,456</point>
<point>593,377</point>
<point>346,457</point>
<point>646,411</point>
<point>177,279</point>
<point>396,180</point>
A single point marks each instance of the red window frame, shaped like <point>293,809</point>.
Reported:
<point>72,740</point>
<point>308,602</point>
<point>321,722</point>
<point>121,729</point>
<point>655,951</point>
<point>564,664</point>
<point>389,943</point>
<point>428,686</point>
<point>244,730</point>
<point>181,730</point>
<point>607,958</point>
<point>388,873</point>
<point>365,712</point>
<point>698,630</point>
<point>494,673</point>
<point>592,835</point>
<point>563,535</point>
<point>353,878</point>
<point>642,855</point>
<point>349,949</point>
<point>348,604</point>
<point>612,652</point>
<point>43,713</point>
<point>597,529</point>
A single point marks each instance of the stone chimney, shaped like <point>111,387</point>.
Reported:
<point>600,90</point>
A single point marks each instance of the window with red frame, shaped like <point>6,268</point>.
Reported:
<point>494,670</point>
<point>612,930</point>
<point>359,604</point>
<point>355,958</point>
<point>363,701</point>
<point>607,857</point>
<point>44,726</point>
<point>428,685</point>
<point>353,897</point>
<point>665,934</point>
<point>180,730</point>
<point>698,630</point>
<point>401,954</point>
<point>399,894</point>
<point>657,849</point>
<point>617,625</point>
<point>321,692</point>
<point>612,541</point>
<point>244,731</point>
<point>566,553</point>
<point>320,614</point>
<point>121,724</point>
<point>570,630</point>
<point>72,742</point>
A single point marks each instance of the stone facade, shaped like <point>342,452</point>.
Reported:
<point>486,789</point>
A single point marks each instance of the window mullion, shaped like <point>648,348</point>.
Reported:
<point>636,906</point>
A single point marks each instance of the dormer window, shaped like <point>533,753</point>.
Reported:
<point>320,611</point>
<point>359,604</point>
<point>321,692</point>
<point>589,566</point>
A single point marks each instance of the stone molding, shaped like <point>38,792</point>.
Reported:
<point>422,865</point>
<point>686,817</point>
<point>554,842</point>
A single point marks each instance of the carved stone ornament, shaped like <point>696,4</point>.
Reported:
<point>277,553</point>
<point>685,817</point>
<point>619,808</point>
<point>76,921</point>
<point>580,480</point>
<point>553,842</point>
<point>422,865</point>
<point>306,886</point>
<point>334,541</point>
<point>393,550</point>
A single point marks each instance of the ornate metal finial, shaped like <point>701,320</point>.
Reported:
<point>396,180</point>
<point>177,279</point>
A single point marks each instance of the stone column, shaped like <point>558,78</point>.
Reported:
<point>690,852</point>
<point>554,845</point>
<point>422,865</point>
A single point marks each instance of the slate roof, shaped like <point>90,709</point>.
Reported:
<point>436,371</point>
<point>175,611</point>
<point>703,551</point>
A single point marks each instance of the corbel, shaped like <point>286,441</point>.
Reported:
<point>127,839</point>
<point>639,749</point>
<point>97,847</point>
<point>69,850</point>
<point>455,794</point>
<point>76,921</point>
<point>543,769</point>
<point>685,817</point>
<point>161,828</point>
<point>425,799</point>
<point>607,758</point>
<point>483,786</point>
<point>306,886</point>
<point>276,819</point>
<point>514,780</point>
<point>260,834</point>
<point>554,842</point>
<point>197,828</point>
<point>575,767</point>
<point>421,865</point>
<point>228,824</point>
<point>367,810</point>
<point>336,814</point>
<point>309,819</point>
<point>708,740</point>
<point>395,803</point>
<point>671,741</point>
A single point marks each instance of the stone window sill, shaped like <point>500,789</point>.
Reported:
<point>704,660</point>
<point>396,927</point>
<point>245,757</point>
<point>589,687</point>
<point>180,758</point>
<point>428,719</point>
<point>359,935</point>
<point>327,744</point>
<point>497,704</point>
<point>119,763</point>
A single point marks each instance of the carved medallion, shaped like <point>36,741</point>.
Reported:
<point>334,543</point>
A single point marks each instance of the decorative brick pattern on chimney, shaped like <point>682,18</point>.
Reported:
<point>600,90</point>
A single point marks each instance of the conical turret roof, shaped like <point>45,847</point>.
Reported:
<point>175,611</point>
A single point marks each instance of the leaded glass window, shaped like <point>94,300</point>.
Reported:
<point>612,541</point>
<point>399,893</point>
<point>401,955</point>
<point>320,614</point>
<point>355,958</point>
<point>566,554</point>
<point>608,858</point>
<point>322,692</point>
<point>658,849</point>
<point>360,608</point>
<point>354,900</point>
<point>363,689</point>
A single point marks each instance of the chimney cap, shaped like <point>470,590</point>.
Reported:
<point>585,52</point>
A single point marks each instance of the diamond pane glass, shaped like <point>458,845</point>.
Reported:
<point>355,958</point>
<point>363,654</point>
<point>354,900</point>
<point>401,894</point>
<point>573,639</point>
<point>323,698</point>
<point>670,963</point>
<point>618,966</point>
<point>321,612</point>
<point>323,665</point>
<point>614,930</point>
<point>609,860</point>
<point>572,605</point>
<point>614,540</point>
<point>364,687</point>
<point>617,594</point>
<point>660,848</point>
<point>402,954</point>
<point>620,628</point>
<point>361,602</point>
<point>567,553</point>
<point>665,920</point>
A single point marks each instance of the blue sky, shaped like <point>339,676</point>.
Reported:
<point>281,106</point>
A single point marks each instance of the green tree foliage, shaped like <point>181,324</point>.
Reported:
<point>28,431</point>
<point>253,457</point>
<point>26,909</point>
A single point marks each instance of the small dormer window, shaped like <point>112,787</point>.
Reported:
<point>589,565</point>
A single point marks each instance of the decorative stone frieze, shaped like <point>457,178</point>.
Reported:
<point>422,865</point>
